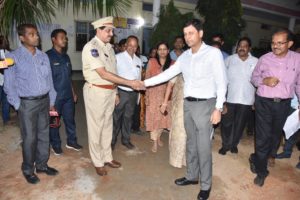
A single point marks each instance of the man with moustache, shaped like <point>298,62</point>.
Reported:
<point>129,66</point>
<point>240,95</point>
<point>29,88</point>
<point>178,48</point>
<point>204,95</point>
<point>65,100</point>
<point>99,92</point>
<point>277,78</point>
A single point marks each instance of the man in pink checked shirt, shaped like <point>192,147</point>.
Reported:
<point>277,78</point>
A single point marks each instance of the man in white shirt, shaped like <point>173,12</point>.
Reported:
<point>240,95</point>
<point>129,66</point>
<point>205,85</point>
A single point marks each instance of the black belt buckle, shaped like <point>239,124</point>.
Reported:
<point>277,100</point>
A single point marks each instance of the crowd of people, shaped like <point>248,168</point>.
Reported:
<point>186,92</point>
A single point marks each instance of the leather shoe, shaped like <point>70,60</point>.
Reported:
<point>183,181</point>
<point>259,180</point>
<point>101,171</point>
<point>32,178</point>
<point>203,194</point>
<point>129,145</point>
<point>283,155</point>
<point>113,164</point>
<point>252,166</point>
<point>234,150</point>
<point>223,151</point>
<point>48,170</point>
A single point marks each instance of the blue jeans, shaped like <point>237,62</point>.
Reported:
<point>5,105</point>
<point>66,110</point>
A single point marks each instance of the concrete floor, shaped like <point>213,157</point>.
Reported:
<point>143,175</point>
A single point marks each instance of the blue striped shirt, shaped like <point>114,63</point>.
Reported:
<point>29,76</point>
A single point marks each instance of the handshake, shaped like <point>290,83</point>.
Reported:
<point>137,85</point>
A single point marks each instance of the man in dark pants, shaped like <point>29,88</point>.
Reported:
<point>64,104</point>
<point>29,87</point>
<point>129,66</point>
<point>277,78</point>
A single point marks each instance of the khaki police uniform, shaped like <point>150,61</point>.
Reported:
<point>99,98</point>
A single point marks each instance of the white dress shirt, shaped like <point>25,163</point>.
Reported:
<point>203,73</point>
<point>239,72</point>
<point>128,67</point>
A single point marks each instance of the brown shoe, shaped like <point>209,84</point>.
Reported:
<point>101,171</point>
<point>113,164</point>
<point>271,162</point>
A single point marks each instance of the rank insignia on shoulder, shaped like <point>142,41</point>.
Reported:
<point>95,53</point>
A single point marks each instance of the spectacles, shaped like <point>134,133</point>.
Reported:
<point>278,43</point>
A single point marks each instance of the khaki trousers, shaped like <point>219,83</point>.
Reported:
<point>99,106</point>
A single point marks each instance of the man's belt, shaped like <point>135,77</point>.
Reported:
<point>109,87</point>
<point>277,100</point>
<point>194,99</point>
<point>35,97</point>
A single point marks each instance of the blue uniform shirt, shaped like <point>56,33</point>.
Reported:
<point>30,76</point>
<point>61,73</point>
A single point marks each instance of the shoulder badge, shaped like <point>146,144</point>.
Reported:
<point>95,53</point>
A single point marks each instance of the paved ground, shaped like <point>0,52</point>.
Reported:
<point>143,176</point>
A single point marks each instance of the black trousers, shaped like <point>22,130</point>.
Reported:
<point>270,117</point>
<point>34,125</point>
<point>122,116</point>
<point>233,124</point>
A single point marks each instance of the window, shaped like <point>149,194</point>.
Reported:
<point>148,7</point>
<point>84,32</point>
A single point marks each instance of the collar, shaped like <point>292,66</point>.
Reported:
<point>26,51</point>
<point>203,46</point>
<point>101,43</point>
<point>127,54</point>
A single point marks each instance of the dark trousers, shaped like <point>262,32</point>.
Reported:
<point>34,125</point>
<point>66,110</point>
<point>122,116</point>
<point>136,118</point>
<point>5,106</point>
<point>251,122</point>
<point>270,117</point>
<point>233,124</point>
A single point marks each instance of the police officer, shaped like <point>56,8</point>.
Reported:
<point>61,74</point>
<point>99,92</point>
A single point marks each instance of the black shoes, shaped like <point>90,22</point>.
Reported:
<point>129,145</point>
<point>252,166</point>
<point>183,181</point>
<point>57,151</point>
<point>203,195</point>
<point>259,180</point>
<point>74,146</point>
<point>234,150</point>
<point>283,155</point>
<point>223,151</point>
<point>48,170</point>
<point>32,179</point>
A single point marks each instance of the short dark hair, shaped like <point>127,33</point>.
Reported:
<point>195,23</point>
<point>21,29</point>
<point>122,42</point>
<point>57,31</point>
<point>132,37</point>
<point>178,37</point>
<point>248,40</point>
<point>219,35</point>
<point>290,34</point>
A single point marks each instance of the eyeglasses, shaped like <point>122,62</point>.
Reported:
<point>278,43</point>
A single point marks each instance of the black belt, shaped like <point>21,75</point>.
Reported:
<point>35,98</point>
<point>127,91</point>
<point>194,99</point>
<point>277,100</point>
